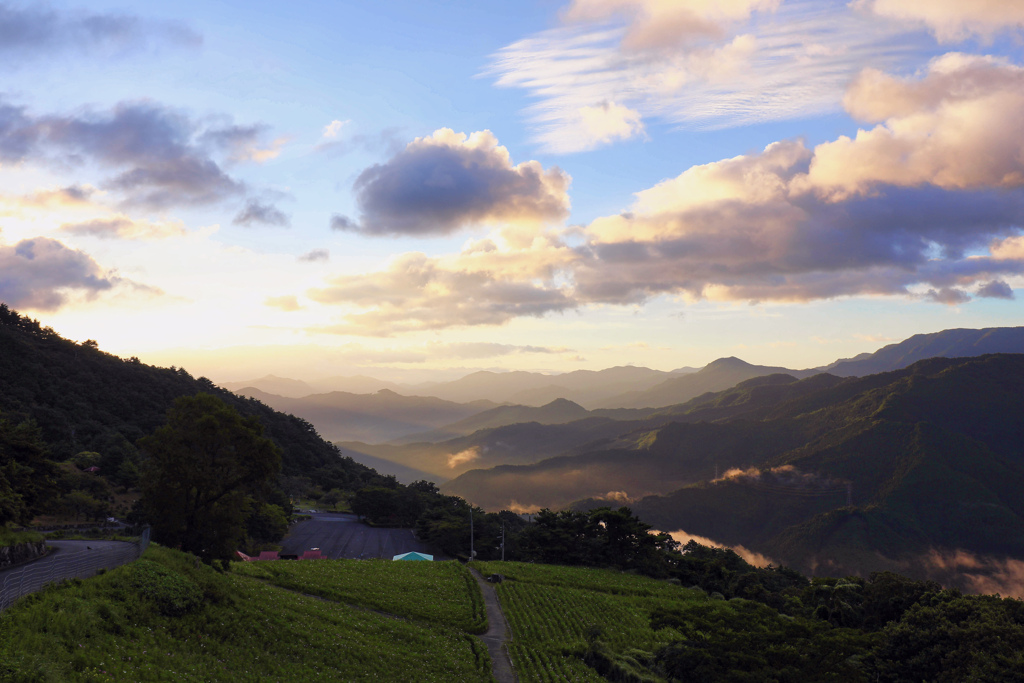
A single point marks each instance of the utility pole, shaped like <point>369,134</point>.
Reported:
<point>503,541</point>
<point>472,553</point>
<point>849,494</point>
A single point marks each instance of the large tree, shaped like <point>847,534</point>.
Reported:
<point>26,476</point>
<point>205,470</point>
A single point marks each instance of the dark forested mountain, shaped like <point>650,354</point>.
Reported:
<point>931,456</point>
<point>958,343</point>
<point>83,399</point>
<point>385,415</point>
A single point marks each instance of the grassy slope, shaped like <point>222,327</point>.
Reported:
<point>229,627</point>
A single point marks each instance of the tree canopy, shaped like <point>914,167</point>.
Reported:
<point>26,475</point>
<point>208,468</point>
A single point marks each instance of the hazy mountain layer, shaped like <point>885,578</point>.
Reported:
<point>558,411</point>
<point>382,416</point>
<point>715,376</point>
<point>585,387</point>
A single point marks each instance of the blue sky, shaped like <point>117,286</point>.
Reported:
<point>416,190</point>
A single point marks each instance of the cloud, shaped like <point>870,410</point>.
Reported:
<point>36,31</point>
<point>332,129</point>
<point>655,24</point>
<point>42,273</point>
<point>954,20</point>
<point>956,127</point>
<point>257,212</point>
<point>996,289</point>
<point>928,205</point>
<point>343,223</point>
<point>160,157</point>
<point>607,122</point>
<point>244,143</point>
<point>510,273</point>
<point>124,227</point>
<point>463,457</point>
<point>284,303</point>
<point>751,557</point>
<point>315,255</point>
<point>694,63</point>
<point>72,196</point>
<point>449,181</point>
<point>474,350</point>
<point>386,139</point>
<point>950,296</point>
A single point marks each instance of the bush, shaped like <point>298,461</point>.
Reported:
<point>173,594</point>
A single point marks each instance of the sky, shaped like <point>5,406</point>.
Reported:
<point>417,190</point>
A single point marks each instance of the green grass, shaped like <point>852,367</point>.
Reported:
<point>165,619</point>
<point>11,537</point>
<point>550,610</point>
<point>442,593</point>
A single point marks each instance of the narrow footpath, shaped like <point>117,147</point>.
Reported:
<point>497,633</point>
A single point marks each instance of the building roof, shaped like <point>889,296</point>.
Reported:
<point>414,556</point>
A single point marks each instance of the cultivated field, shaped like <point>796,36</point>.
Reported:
<point>163,618</point>
<point>443,593</point>
<point>552,611</point>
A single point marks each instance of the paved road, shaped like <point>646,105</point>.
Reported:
<point>66,548</point>
<point>341,536</point>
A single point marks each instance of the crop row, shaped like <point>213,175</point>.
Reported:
<point>442,593</point>
<point>555,613</point>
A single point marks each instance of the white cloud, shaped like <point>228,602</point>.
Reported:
<point>735,63</point>
<point>124,227</point>
<point>957,126</point>
<point>332,129</point>
<point>954,20</point>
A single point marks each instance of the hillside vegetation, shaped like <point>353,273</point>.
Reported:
<point>168,618</point>
<point>66,407</point>
<point>930,456</point>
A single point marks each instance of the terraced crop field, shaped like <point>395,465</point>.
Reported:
<point>442,593</point>
<point>552,612</point>
<point>166,618</point>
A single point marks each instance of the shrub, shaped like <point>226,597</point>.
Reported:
<point>173,594</point>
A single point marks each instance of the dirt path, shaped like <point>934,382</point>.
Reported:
<point>498,633</point>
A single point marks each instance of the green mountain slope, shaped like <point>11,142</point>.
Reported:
<point>86,400</point>
<point>956,343</point>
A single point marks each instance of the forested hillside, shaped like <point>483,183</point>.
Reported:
<point>85,400</point>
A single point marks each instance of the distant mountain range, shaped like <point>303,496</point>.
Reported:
<point>372,417</point>
<point>822,472</point>
<point>406,420</point>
